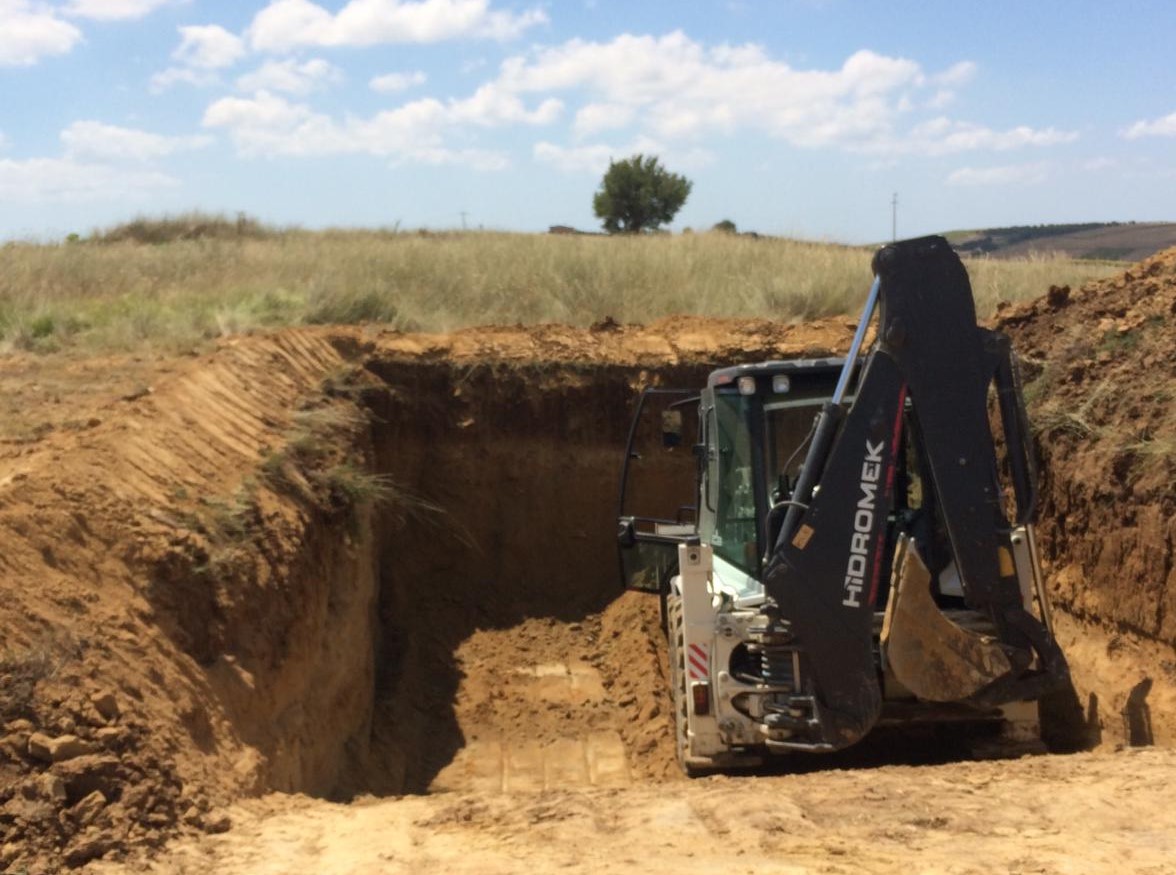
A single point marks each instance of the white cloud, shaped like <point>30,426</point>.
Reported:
<point>392,82</point>
<point>95,140</point>
<point>1164,126</point>
<point>594,158</point>
<point>113,10</point>
<point>30,32</point>
<point>285,24</point>
<point>491,105</point>
<point>682,89</point>
<point>292,76</point>
<point>596,117</point>
<point>203,49</point>
<point>208,47</point>
<point>165,79</point>
<point>674,88</point>
<point>41,180</point>
<point>1011,174</point>
<point>268,124</point>
<point>956,75</point>
<point>943,136</point>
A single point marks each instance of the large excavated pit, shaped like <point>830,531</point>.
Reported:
<point>500,652</point>
<point>327,564</point>
<point>497,560</point>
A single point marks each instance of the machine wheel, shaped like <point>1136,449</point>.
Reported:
<point>663,594</point>
<point>677,660</point>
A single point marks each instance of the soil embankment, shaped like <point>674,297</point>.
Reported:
<point>1101,381</point>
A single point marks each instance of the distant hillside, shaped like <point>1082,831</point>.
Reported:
<point>1112,241</point>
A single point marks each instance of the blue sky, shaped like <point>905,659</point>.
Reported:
<point>797,117</point>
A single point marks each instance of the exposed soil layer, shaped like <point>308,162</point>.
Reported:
<point>328,562</point>
<point>1101,380</point>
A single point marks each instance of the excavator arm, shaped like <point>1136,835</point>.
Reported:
<point>842,553</point>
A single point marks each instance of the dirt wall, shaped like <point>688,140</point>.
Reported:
<point>509,477</point>
<point>1100,366</point>
<point>1101,377</point>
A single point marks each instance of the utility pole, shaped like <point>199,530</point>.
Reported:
<point>463,221</point>
<point>894,216</point>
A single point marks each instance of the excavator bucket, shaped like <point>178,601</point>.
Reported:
<point>930,655</point>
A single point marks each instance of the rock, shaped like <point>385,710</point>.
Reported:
<point>88,847</point>
<point>1058,296</point>
<point>89,808</point>
<point>218,822</point>
<point>137,798</point>
<point>111,736</point>
<point>68,747</point>
<point>45,786</point>
<point>29,811</point>
<point>39,747</point>
<point>85,774</point>
<point>16,743</point>
<point>106,704</point>
<point>192,817</point>
<point>20,725</point>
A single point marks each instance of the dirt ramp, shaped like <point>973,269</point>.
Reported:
<point>1101,383</point>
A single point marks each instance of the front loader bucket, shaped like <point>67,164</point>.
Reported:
<point>929,654</point>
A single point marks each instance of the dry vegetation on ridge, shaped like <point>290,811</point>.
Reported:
<point>176,282</point>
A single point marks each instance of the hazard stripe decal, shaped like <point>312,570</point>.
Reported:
<point>696,660</point>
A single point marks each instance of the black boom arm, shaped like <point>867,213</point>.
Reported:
<point>825,568</point>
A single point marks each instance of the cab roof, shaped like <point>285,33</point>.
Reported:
<point>726,376</point>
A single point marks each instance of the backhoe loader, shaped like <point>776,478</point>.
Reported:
<point>861,550</point>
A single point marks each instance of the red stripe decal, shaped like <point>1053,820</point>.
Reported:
<point>697,660</point>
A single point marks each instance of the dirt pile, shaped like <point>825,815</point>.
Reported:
<point>1101,385</point>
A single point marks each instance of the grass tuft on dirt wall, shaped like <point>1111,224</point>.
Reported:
<point>176,281</point>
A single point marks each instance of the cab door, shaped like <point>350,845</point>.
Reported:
<point>657,506</point>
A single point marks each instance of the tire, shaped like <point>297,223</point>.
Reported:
<point>677,660</point>
<point>663,595</point>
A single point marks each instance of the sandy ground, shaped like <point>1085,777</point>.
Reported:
<point>1095,813</point>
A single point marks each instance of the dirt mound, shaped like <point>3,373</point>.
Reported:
<point>1101,385</point>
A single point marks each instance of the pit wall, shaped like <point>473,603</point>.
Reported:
<point>271,598</point>
<point>300,694</point>
<point>509,478</point>
<point>317,646</point>
<point>1108,539</point>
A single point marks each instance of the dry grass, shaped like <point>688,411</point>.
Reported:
<point>109,292</point>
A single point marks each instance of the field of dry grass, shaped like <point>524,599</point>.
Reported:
<point>113,292</point>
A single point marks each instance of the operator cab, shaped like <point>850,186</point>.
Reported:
<point>758,419</point>
<point>753,423</point>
